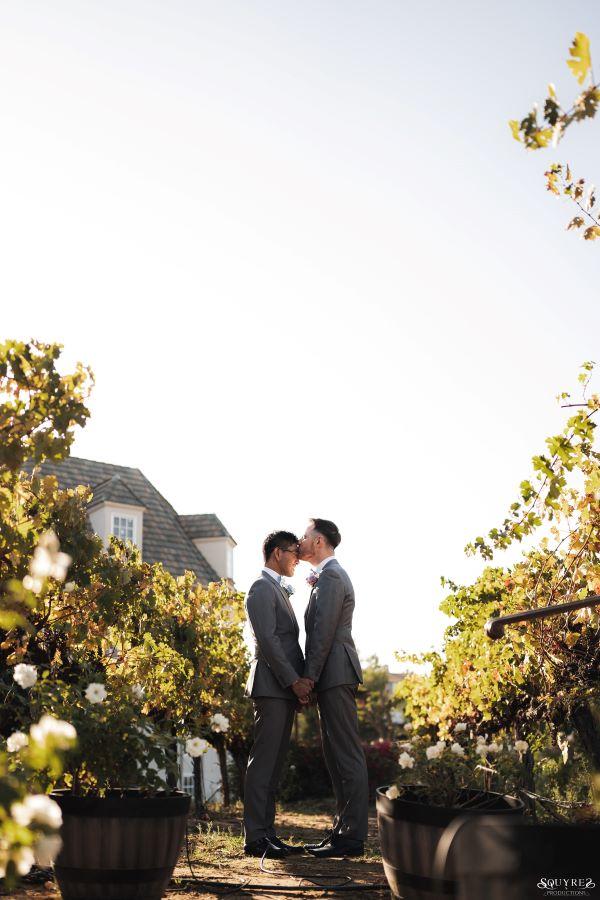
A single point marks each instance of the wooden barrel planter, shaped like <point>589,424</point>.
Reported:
<point>121,847</point>
<point>506,859</point>
<point>409,833</point>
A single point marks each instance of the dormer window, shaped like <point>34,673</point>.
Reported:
<point>115,510</point>
<point>123,527</point>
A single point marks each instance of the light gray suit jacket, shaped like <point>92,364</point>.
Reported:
<point>331,657</point>
<point>278,659</point>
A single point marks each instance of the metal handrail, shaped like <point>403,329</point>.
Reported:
<point>494,627</point>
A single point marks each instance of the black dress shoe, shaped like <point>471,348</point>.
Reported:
<point>264,847</point>
<point>289,848</point>
<point>326,840</point>
<point>339,847</point>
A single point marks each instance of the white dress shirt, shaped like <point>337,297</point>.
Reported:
<point>322,564</point>
<point>273,574</point>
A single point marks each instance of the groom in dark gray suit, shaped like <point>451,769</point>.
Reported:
<point>333,669</point>
<point>276,686</point>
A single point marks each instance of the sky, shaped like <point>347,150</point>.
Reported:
<point>312,272</point>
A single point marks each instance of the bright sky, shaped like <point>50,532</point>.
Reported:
<point>310,268</point>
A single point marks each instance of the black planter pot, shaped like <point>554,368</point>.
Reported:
<point>409,834</point>
<point>507,859</point>
<point>119,847</point>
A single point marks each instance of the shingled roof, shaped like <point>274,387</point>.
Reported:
<point>115,489</point>
<point>204,526</point>
<point>164,540</point>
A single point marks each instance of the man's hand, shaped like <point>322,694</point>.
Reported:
<point>302,688</point>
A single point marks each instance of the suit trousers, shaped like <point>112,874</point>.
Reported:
<point>345,760</point>
<point>273,720</point>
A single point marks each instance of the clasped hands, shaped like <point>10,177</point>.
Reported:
<point>302,688</point>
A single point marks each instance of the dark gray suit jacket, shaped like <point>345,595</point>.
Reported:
<point>331,657</point>
<point>278,660</point>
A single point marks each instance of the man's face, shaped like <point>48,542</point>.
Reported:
<point>308,543</point>
<point>287,559</point>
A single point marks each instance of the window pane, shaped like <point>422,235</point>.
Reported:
<point>123,528</point>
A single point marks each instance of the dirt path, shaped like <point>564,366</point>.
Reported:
<point>216,853</point>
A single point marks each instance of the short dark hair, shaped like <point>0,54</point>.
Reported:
<point>281,539</point>
<point>329,530</point>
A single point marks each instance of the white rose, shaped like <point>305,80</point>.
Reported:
<point>460,726</point>
<point>41,563</point>
<point>70,587</point>
<point>521,746</point>
<point>95,692</point>
<point>481,739</point>
<point>433,752</point>
<point>23,859</point>
<point>406,761</point>
<point>392,792</point>
<point>219,722</point>
<point>196,746</point>
<point>38,808</point>
<point>25,675</point>
<point>493,747</point>
<point>457,749</point>
<point>44,810</point>
<point>16,741</point>
<point>481,749</point>
<point>33,584</point>
<point>48,541</point>
<point>60,565</point>
<point>63,734</point>
<point>47,848</point>
<point>408,726</point>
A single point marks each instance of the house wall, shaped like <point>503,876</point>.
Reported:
<point>211,775</point>
<point>218,552</point>
<point>101,520</point>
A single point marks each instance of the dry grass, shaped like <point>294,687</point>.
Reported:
<point>217,854</point>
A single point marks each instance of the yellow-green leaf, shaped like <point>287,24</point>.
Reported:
<point>581,63</point>
<point>543,137</point>
<point>572,638</point>
<point>514,127</point>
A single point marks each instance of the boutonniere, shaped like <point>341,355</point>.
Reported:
<point>288,588</point>
<point>312,578</point>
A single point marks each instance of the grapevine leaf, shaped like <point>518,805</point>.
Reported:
<point>581,61</point>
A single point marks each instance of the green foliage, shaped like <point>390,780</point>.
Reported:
<point>39,408</point>
<point>165,653</point>
<point>542,497</point>
<point>535,135</point>
<point>376,702</point>
<point>440,772</point>
<point>543,679</point>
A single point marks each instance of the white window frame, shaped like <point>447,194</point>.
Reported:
<point>123,515</point>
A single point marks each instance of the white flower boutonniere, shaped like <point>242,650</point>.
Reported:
<point>288,588</point>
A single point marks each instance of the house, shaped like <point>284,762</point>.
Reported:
<point>397,715</point>
<point>126,504</point>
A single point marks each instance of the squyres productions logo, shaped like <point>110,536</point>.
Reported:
<point>566,887</point>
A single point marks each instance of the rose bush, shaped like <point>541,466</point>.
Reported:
<point>128,656</point>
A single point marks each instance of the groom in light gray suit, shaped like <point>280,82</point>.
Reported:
<point>333,669</point>
<point>276,686</point>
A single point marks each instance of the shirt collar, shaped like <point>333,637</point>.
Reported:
<point>273,574</point>
<point>322,565</point>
